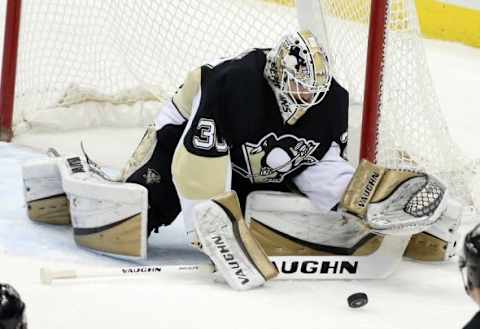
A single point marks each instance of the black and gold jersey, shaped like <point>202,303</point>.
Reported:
<point>236,112</point>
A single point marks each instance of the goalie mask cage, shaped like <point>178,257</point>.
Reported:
<point>86,63</point>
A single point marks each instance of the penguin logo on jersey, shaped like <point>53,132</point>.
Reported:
<point>274,157</point>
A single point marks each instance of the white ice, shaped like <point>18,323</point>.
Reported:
<point>416,295</point>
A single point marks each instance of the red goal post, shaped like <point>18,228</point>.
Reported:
<point>373,80</point>
<point>9,67</point>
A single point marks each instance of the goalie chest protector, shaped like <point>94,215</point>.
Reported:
<point>238,113</point>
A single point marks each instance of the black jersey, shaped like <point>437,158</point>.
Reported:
<point>238,113</point>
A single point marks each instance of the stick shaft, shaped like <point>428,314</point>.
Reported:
<point>49,275</point>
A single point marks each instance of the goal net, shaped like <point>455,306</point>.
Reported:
<point>87,63</point>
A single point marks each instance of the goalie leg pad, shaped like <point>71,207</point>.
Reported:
<point>107,217</point>
<point>44,195</point>
<point>288,224</point>
<point>394,201</point>
<point>439,242</point>
<point>225,238</point>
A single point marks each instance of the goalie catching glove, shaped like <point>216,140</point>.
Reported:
<point>394,201</point>
<point>226,239</point>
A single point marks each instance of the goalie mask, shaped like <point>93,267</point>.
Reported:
<point>299,74</point>
<point>469,261</point>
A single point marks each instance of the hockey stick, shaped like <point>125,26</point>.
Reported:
<point>378,265</point>
<point>47,276</point>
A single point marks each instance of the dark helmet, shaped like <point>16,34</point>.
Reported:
<point>470,260</point>
<point>12,308</point>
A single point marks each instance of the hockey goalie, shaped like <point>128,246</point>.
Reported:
<point>270,124</point>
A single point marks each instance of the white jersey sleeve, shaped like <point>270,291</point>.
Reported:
<point>325,182</point>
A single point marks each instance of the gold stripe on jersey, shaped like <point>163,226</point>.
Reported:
<point>197,177</point>
<point>183,98</point>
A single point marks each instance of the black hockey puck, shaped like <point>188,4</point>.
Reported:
<point>357,300</point>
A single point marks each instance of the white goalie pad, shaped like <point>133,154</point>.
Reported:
<point>41,179</point>
<point>45,199</point>
<point>225,238</point>
<point>107,217</point>
<point>216,233</point>
<point>295,216</point>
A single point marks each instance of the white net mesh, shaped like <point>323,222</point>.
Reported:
<point>116,52</point>
<point>85,63</point>
<point>412,130</point>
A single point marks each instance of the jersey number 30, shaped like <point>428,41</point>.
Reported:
<point>207,138</point>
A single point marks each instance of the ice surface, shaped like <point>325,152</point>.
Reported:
<point>417,295</point>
